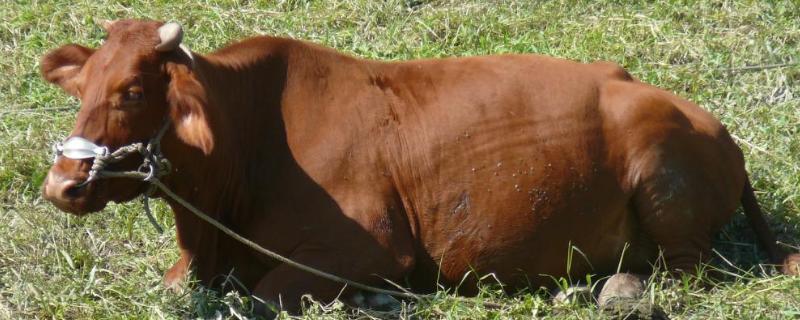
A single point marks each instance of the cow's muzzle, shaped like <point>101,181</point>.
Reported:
<point>90,162</point>
<point>68,192</point>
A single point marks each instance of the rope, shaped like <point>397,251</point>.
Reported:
<point>150,217</point>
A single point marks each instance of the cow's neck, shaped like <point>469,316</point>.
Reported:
<point>243,112</point>
<point>259,91</point>
<point>243,106</point>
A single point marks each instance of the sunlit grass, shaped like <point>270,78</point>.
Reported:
<point>109,265</point>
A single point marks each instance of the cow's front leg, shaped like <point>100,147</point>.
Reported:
<point>176,276</point>
<point>283,287</point>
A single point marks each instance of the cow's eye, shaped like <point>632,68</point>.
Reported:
<point>133,94</point>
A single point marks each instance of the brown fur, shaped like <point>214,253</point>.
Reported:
<point>423,170</point>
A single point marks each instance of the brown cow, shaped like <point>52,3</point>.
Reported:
<point>421,170</point>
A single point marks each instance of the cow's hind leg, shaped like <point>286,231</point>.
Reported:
<point>686,191</point>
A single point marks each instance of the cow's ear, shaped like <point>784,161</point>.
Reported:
<point>187,99</point>
<point>61,66</point>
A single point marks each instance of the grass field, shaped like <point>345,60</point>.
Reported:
<point>728,56</point>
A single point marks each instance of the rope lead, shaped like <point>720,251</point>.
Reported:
<point>150,217</point>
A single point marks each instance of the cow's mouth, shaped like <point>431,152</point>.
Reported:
<point>73,195</point>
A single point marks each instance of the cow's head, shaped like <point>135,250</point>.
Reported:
<point>138,78</point>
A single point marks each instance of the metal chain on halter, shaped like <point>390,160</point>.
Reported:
<point>154,166</point>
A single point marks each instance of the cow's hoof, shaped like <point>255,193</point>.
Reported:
<point>577,294</point>
<point>791,265</point>
<point>175,278</point>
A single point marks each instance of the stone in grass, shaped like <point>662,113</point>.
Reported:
<point>621,285</point>
<point>621,298</point>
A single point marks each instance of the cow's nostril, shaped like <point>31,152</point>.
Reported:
<point>75,190</point>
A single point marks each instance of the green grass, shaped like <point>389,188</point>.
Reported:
<point>109,265</point>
